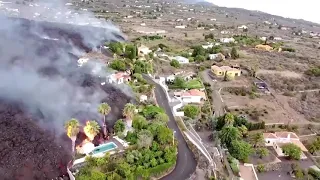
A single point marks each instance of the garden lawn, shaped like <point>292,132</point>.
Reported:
<point>194,84</point>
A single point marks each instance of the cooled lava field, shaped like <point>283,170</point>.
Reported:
<point>28,150</point>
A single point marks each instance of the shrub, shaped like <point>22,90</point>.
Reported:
<point>175,63</point>
<point>288,49</point>
<point>261,168</point>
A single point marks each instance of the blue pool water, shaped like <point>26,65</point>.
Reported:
<point>104,148</point>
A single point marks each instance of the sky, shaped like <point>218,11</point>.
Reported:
<point>297,9</point>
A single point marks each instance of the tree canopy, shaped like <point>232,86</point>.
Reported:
<point>119,126</point>
<point>240,150</point>
<point>292,151</point>
<point>229,134</point>
<point>118,65</point>
<point>191,111</point>
<point>175,63</point>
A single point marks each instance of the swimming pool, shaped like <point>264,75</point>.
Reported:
<point>104,148</point>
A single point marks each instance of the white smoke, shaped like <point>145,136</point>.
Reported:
<point>28,48</point>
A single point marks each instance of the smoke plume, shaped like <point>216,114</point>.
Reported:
<point>31,51</point>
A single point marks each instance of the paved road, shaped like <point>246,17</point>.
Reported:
<point>216,97</point>
<point>186,163</point>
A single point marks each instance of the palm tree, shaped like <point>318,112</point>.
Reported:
<point>72,128</point>
<point>229,119</point>
<point>128,112</point>
<point>104,109</point>
<point>91,129</point>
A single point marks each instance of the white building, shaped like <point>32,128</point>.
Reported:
<point>263,38</point>
<point>277,38</point>
<point>278,139</point>
<point>180,27</point>
<point>118,78</point>
<point>227,40</point>
<point>143,98</point>
<point>218,56</point>
<point>207,46</point>
<point>181,60</point>
<point>143,50</point>
<point>243,27</point>
<point>191,96</point>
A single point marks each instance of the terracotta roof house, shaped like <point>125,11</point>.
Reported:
<point>278,139</point>
<point>191,96</point>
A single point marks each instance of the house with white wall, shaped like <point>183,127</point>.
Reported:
<point>278,139</point>
<point>190,96</point>
<point>181,60</point>
<point>118,78</point>
<point>143,50</point>
<point>227,40</point>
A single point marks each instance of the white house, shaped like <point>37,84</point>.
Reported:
<point>180,27</point>
<point>191,96</point>
<point>207,46</point>
<point>118,78</point>
<point>225,32</point>
<point>143,50</point>
<point>278,139</point>
<point>227,40</point>
<point>263,38</point>
<point>143,98</point>
<point>277,38</point>
<point>181,60</point>
<point>243,27</point>
<point>218,56</point>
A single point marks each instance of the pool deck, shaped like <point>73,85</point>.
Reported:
<point>121,145</point>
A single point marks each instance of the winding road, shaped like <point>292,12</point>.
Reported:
<point>217,101</point>
<point>186,162</point>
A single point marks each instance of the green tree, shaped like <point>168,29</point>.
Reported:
<point>91,129</point>
<point>179,82</point>
<point>116,47</point>
<point>139,122</point>
<point>72,128</point>
<point>256,139</point>
<point>162,118</point>
<point>118,65</point>
<point>234,53</point>
<point>240,150</point>
<point>164,135</point>
<point>150,111</point>
<point>131,51</point>
<point>104,109</point>
<point>243,130</point>
<point>175,63</point>
<point>113,176</point>
<point>119,126</point>
<point>145,139</point>
<point>229,119</point>
<point>198,50</point>
<point>92,175</point>
<point>299,174</point>
<point>292,151</point>
<point>129,111</point>
<point>262,152</point>
<point>261,168</point>
<point>191,111</point>
<point>199,58</point>
<point>228,134</point>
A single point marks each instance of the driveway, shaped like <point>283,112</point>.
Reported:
<point>217,101</point>
<point>186,163</point>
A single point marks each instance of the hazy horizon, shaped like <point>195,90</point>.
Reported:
<point>293,9</point>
